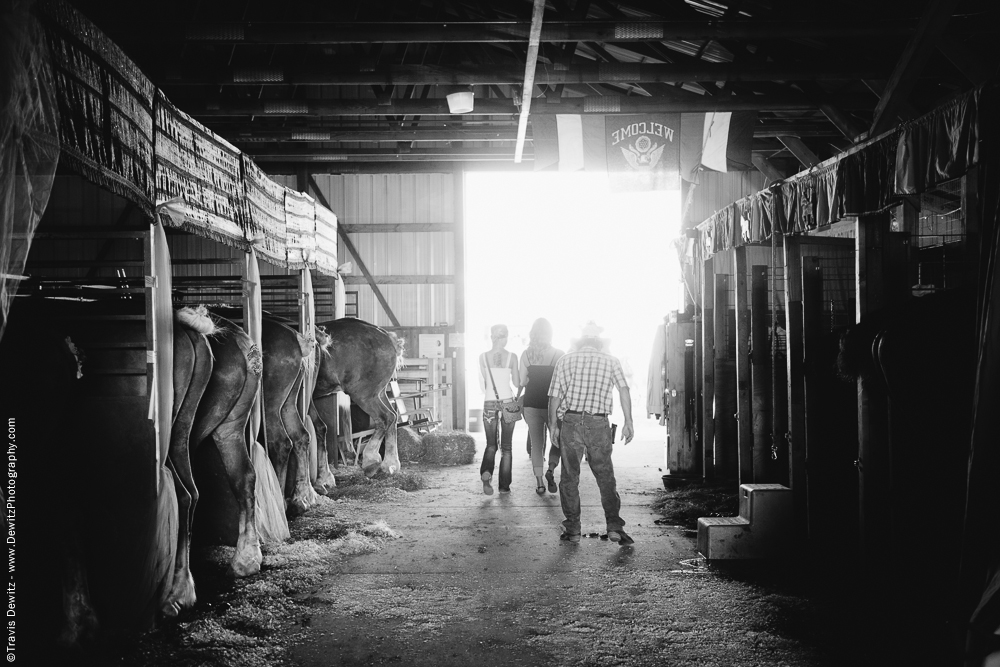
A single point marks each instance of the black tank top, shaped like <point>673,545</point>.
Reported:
<point>536,392</point>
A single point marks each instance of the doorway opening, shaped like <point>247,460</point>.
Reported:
<point>563,246</point>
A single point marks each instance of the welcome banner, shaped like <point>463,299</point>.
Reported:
<point>643,151</point>
<point>638,152</point>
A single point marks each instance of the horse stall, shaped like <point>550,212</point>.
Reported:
<point>852,283</point>
<point>103,515</point>
<point>915,387</point>
<point>253,257</point>
<point>208,272</point>
<point>681,457</point>
<point>742,297</point>
<point>88,346</point>
<point>821,424</point>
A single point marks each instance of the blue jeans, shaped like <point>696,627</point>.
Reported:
<point>537,420</point>
<point>492,423</point>
<point>579,435</point>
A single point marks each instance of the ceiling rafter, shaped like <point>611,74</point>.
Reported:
<point>202,107</point>
<point>537,18</point>
<point>324,79</point>
<point>401,32</point>
<point>932,25</point>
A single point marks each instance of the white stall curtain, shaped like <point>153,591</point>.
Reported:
<point>29,144</point>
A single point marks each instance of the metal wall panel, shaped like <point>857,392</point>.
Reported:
<point>360,199</point>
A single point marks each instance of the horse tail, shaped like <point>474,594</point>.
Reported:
<point>400,345</point>
<point>255,362</point>
<point>307,344</point>
<point>197,319</point>
<point>323,339</point>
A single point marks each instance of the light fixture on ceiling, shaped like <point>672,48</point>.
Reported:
<point>460,100</point>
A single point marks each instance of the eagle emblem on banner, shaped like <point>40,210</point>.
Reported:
<point>643,154</point>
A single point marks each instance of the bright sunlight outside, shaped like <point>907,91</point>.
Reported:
<point>564,247</point>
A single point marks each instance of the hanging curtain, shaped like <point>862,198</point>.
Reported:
<point>829,195</point>
<point>199,179</point>
<point>105,105</point>
<point>868,177</point>
<point>939,146</point>
<point>29,145</point>
<point>325,258</point>
<point>265,214</point>
<point>300,224</point>
<point>980,603</point>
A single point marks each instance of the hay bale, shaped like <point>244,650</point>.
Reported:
<point>449,447</point>
<point>409,444</point>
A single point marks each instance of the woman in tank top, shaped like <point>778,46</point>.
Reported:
<point>537,364</point>
<point>498,375</point>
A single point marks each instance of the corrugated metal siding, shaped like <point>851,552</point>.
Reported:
<point>717,190</point>
<point>398,199</point>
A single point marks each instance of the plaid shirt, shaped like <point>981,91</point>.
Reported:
<point>583,381</point>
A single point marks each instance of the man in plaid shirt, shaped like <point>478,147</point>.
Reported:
<point>579,407</point>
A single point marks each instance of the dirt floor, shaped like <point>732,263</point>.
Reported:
<point>440,574</point>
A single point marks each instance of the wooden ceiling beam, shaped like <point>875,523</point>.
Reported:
<point>254,133</point>
<point>401,32</point>
<point>801,152</point>
<point>840,119</point>
<point>932,25</point>
<point>598,104</point>
<point>905,112</point>
<point>304,154</point>
<point>323,155</point>
<point>537,13</point>
<point>766,167</point>
<point>964,60</point>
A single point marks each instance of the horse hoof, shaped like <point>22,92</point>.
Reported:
<point>171,609</point>
<point>371,470</point>
<point>247,567</point>
<point>320,489</point>
<point>182,596</point>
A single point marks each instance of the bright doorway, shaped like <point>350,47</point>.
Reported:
<point>564,247</point>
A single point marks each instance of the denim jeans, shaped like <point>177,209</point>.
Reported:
<point>492,423</point>
<point>537,420</point>
<point>579,435</point>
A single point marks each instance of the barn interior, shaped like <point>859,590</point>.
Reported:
<point>813,258</point>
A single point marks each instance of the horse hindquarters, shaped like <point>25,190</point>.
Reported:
<point>230,439</point>
<point>192,371</point>
<point>298,489</point>
<point>223,414</point>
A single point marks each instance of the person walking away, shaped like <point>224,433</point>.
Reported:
<point>498,371</point>
<point>537,364</point>
<point>580,404</point>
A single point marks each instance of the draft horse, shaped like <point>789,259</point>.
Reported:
<point>361,360</point>
<point>287,357</point>
<point>217,373</point>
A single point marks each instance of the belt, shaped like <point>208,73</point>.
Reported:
<point>589,414</point>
